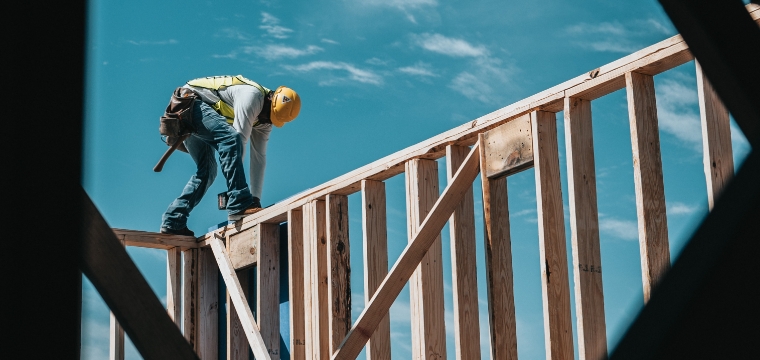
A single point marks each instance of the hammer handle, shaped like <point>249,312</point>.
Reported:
<point>169,151</point>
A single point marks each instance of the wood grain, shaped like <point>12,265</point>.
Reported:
<point>647,175</point>
<point>498,253</point>
<point>315,250</point>
<point>208,306</point>
<point>508,148</point>
<point>296,265</point>
<point>238,300</point>
<point>174,284</point>
<point>555,286</point>
<point>716,138</point>
<point>268,287</point>
<point>243,247</point>
<point>464,277</point>
<point>237,343</point>
<point>190,296</point>
<point>410,258</point>
<point>426,285</point>
<point>154,240</point>
<point>375,235</point>
<point>339,275</point>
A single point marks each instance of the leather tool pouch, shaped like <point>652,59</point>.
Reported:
<point>177,119</point>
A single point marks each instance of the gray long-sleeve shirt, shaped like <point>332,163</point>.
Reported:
<point>247,102</point>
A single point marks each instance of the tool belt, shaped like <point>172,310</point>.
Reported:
<point>178,117</point>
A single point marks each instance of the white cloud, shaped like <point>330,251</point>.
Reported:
<point>419,69</point>
<point>405,6</point>
<point>614,36</point>
<point>613,46</point>
<point>329,41</point>
<point>354,73</point>
<point>657,26</point>
<point>678,208</point>
<point>449,46</point>
<point>275,52</point>
<point>622,229</point>
<point>676,105</point>
<point>159,42</point>
<point>601,28</point>
<point>270,24</point>
<point>377,62</point>
<point>472,87</point>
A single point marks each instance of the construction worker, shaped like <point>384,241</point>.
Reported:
<point>233,111</point>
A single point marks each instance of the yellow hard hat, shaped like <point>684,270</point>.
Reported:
<point>285,106</point>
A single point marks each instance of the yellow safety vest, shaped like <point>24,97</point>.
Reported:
<point>220,82</point>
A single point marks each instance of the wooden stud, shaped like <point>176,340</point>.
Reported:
<point>584,224</point>
<point>498,251</point>
<point>464,277</point>
<point>375,234</point>
<point>426,285</point>
<point>410,258</point>
<point>268,288</point>
<point>237,343</point>
<point>647,174</point>
<point>116,338</point>
<point>315,282</point>
<point>296,283</point>
<point>239,301</point>
<point>339,275</point>
<point>208,306</point>
<point>190,297</point>
<point>174,284</point>
<point>716,138</point>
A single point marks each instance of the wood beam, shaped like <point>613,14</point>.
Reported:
<point>207,328</point>
<point>499,278</point>
<point>296,265</point>
<point>339,275</point>
<point>268,288</point>
<point>412,255</point>
<point>464,278</point>
<point>107,265</point>
<point>174,284</point>
<point>555,286</point>
<point>190,297</point>
<point>375,235</point>
<point>239,301</point>
<point>647,174</point>
<point>426,285</point>
<point>237,342</point>
<point>315,281</point>
<point>716,138</point>
<point>243,247</point>
<point>155,240</point>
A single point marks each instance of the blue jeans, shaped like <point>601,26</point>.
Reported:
<point>212,133</point>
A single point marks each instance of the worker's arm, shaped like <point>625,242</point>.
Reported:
<point>259,139</point>
<point>247,101</point>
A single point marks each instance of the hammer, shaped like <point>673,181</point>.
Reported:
<point>169,151</point>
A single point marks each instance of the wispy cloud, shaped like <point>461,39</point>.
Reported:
<point>377,62</point>
<point>622,229</point>
<point>408,7</point>
<point>676,111</point>
<point>418,69</point>
<point>449,46</point>
<point>616,37</point>
<point>149,42</point>
<point>678,208</point>
<point>276,51</point>
<point>270,24</point>
<point>232,33</point>
<point>330,41</point>
<point>354,73</point>
<point>601,28</point>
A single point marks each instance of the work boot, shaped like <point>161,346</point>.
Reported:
<point>185,231</point>
<point>250,210</point>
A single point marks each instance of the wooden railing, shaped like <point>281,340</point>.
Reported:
<point>499,144</point>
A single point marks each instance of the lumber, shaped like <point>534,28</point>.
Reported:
<point>190,297</point>
<point>339,274</point>
<point>107,265</point>
<point>238,300</point>
<point>718,157</point>
<point>155,240</point>
<point>508,148</point>
<point>464,279</point>
<point>426,285</point>
<point>647,175</point>
<point>236,341</point>
<point>412,255</point>
<point>498,252</point>
<point>555,286</point>
<point>207,329</point>
<point>315,281</point>
<point>243,247</point>
<point>375,237</point>
<point>296,265</point>
<point>268,289</point>
<point>174,284</point>
<point>598,82</point>
<point>116,332</point>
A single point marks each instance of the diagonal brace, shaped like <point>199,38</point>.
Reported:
<point>394,282</point>
<point>238,299</point>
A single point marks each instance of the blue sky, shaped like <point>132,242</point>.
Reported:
<point>375,77</point>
